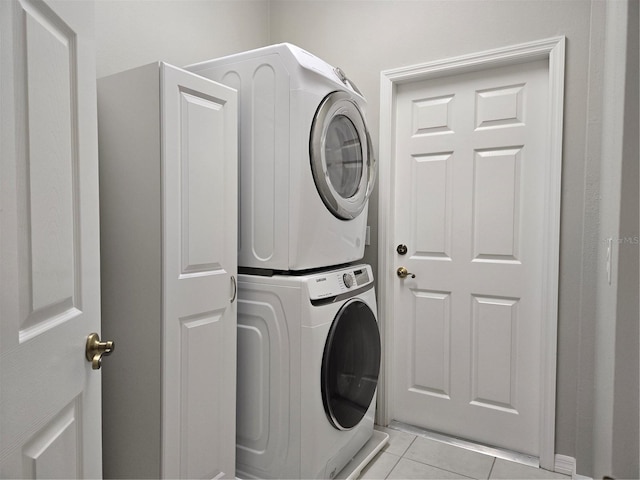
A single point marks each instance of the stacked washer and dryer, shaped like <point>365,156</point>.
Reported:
<point>308,338</point>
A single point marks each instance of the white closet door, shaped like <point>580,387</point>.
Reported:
<point>199,195</point>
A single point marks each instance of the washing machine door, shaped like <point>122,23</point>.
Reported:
<point>350,365</point>
<point>342,160</point>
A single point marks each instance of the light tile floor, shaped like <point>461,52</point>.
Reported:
<point>409,456</point>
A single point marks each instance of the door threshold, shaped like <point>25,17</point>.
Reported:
<point>502,453</point>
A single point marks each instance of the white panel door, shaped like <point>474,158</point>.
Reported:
<point>49,395</point>
<point>199,195</point>
<point>470,182</point>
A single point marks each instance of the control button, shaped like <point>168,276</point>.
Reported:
<point>348,280</point>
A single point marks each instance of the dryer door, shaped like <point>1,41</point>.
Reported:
<point>342,160</point>
<point>350,365</point>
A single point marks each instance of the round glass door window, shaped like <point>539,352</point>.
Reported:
<point>343,154</point>
<point>342,159</point>
<point>350,365</point>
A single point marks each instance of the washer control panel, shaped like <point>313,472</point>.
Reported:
<point>337,282</point>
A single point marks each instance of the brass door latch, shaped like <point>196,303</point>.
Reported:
<point>95,349</point>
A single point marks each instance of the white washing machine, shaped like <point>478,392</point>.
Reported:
<point>308,364</point>
<point>306,161</point>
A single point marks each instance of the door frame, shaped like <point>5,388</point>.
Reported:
<point>553,50</point>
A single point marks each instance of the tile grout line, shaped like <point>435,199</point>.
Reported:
<point>493,464</point>
<point>403,456</point>
<point>394,466</point>
<point>415,437</point>
<point>441,468</point>
<point>400,457</point>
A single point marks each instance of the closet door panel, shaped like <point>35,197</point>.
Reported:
<point>199,185</point>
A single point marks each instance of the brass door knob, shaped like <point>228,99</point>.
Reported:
<point>404,273</point>
<point>95,349</point>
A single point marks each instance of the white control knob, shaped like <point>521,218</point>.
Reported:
<point>348,280</point>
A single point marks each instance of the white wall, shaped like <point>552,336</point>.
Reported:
<point>616,375</point>
<point>131,33</point>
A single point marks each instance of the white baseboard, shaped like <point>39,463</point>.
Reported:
<point>566,465</point>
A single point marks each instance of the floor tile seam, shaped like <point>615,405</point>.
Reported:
<point>415,437</point>
<point>443,469</point>
<point>437,468</point>
<point>394,465</point>
<point>493,464</point>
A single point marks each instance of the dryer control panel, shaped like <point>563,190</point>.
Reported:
<point>338,282</point>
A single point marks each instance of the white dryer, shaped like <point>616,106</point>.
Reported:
<point>306,161</point>
<point>308,364</point>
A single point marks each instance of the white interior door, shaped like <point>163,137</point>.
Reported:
<point>470,172</point>
<point>50,396</point>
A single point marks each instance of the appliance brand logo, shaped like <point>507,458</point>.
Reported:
<point>323,279</point>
